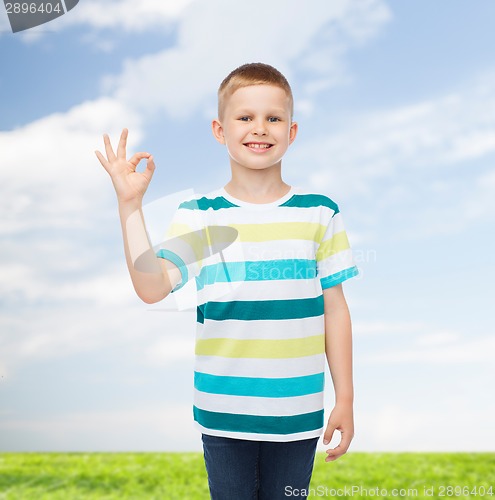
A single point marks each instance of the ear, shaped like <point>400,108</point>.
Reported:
<point>292,132</point>
<point>217,129</point>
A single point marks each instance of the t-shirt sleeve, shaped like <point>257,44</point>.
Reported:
<point>184,242</point>
<point>334,258</point>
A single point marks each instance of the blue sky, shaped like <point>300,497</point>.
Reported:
<point>396,109</point>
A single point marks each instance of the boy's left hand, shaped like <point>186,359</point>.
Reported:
<point>341,419</point>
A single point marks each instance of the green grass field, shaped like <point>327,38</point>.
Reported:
<point>182,476</point>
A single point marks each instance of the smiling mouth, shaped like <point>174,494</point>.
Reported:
<point>256,145</point>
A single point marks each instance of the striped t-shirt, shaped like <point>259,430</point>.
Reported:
<point>260,339</point>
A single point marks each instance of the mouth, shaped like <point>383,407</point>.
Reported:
<point>258,147</point>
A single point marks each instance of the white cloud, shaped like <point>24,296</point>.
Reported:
<point>437,348</point>
<point>418,342</point>
<point>119,15</point>
<point>126,15</point>
<point>51,176</point>
<point>438,338</point>
<point>75,325</point>
<point>169,350</point>
<point>57,161</point>
<point>182,78</point>
<point>433,134</point>
<point>54,197</point>
<point>207,25</point>
<point>111,288</point>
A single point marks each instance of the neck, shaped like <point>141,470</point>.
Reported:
<point>258,185</point>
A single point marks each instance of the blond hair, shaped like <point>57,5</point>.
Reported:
<point>252,74</point>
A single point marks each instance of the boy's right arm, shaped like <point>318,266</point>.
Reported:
<point>153,278</point>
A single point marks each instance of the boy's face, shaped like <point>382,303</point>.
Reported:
<point>256,126</point>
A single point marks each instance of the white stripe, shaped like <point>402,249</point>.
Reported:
<point>280,368</point>
<point>220,292</point>
<point>335,263</point>
<point>288,214</point>
<point>338,223</point>
<point>270,250</point>
<point>248,405</point>
<point>279,438</point>
<point>263,329</point>
<point>193,219</point>
<point>262,290</point>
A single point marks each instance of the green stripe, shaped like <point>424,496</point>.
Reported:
<point>259,424</point>
<point>261,348</point>
<point>337,243</point>
<point>259,387</point>
<point>270,231</point>
<point>247,310</point>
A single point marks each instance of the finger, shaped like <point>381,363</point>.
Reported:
<point>138,157</point>
<point>122,144</point>
<point>334,455</point>
<point>108,148</point>
<point>341,449</point>
<point>102,159</point>
<point>327,437</point>
<point>345,441</point>
<point>150,168</point>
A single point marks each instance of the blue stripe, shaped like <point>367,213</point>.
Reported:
<point>247,310</point>
<point>297,200</point>
<point>282,269</point>
<point>311,200</point>
<point>206,203</point>
<point>259,424</point>
<point>200,315</point>
<point>259,387</point>
<point>174,258</point>
<point>335,279</point>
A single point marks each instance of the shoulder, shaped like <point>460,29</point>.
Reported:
<point>307,198</point>
<point>203,201</point>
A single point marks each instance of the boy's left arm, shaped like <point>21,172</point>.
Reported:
<point>338,348</point>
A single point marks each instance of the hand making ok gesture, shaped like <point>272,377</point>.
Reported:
<point>129,185</point>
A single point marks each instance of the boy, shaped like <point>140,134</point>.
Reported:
<point>261,346</point>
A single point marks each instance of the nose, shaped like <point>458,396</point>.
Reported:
<point>259,127</point>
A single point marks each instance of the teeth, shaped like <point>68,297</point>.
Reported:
<point>257,146</point>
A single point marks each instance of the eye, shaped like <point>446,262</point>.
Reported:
<point>273,119</point>
<point>244,118</point>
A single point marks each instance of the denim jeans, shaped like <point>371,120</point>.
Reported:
<point>239,469</point>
